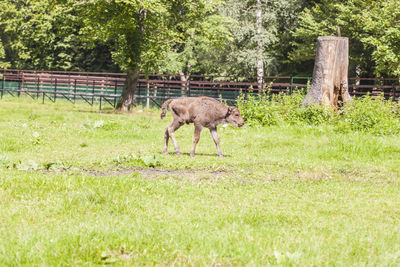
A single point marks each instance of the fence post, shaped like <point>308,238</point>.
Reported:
<point>2,85</point>
<point>75,91</point>
<point>147,93</point>
<point>168,93</point>
<point>163,92</point>
<point>55,90</point>
<point>93,92</point>
<point>291,86</point>
<point>394,93</point>
<point>115,93</point>
<point>19,88</point>
<point>37,87</point>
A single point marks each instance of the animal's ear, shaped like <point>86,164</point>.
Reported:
<point>230,110</point>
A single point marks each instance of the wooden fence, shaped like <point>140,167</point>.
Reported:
<point>107,87</point>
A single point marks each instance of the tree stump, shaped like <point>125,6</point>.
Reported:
<point>329,83</point>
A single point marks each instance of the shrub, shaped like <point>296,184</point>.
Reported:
<point>376,115</point>
<point>367,114</point>
<point>266,110</point>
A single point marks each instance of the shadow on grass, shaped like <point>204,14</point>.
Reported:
<point>215,155</point>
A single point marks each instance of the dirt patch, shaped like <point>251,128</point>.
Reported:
<point>156,172</point>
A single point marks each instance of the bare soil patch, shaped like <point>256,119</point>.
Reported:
<point>156,172</point>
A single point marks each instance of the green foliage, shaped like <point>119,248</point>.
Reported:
<point>239,55</point>
<point>4,161</point>
<point>370,25</point>
<point>375,115</point>
<point>274,109</point>
<point>195,37</point>
<point>311,114</point>
<point>36,138</point>
<point>143,160</point>
<point>142,32</point>
<point>201,30</point>
<point>45,35</point>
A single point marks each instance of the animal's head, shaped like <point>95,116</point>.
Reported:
<point>233,117</point>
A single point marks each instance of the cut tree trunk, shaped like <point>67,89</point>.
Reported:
<point>329,84</point>
<point>128,93</point>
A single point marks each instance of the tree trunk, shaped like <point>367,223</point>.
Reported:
<point>329,81</point>
<point>128,93</point>
<point>184,84</point>
<point>260,59</point>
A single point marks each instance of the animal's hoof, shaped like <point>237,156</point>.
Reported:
<point>221,156</point>
<point>178,153</point>
<point>192,155</point>
<point>165,152</point>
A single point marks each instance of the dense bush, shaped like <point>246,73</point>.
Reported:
<point>272,109</point>
<point>371,114</point>
<point>375,115</point>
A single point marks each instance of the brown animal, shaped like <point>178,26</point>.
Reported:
<point>203,112</point>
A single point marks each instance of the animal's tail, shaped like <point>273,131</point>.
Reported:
<point>164,107</point>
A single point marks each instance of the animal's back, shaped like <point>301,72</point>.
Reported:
<point>203,109</point>
<point>207,111</point>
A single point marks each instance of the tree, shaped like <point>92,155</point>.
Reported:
<point>197,42</point>
<point>45,34</point>
<point>142,31</point>
<point>381,35</point>
<point>253,40</point>
<point>3,63</point>
<point>330,82</point>
<point>260,58</point>
<point>370,25</point>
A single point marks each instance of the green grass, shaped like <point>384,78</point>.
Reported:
<point>76,189</point>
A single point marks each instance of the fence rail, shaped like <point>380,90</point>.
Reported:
<point>106,88</point>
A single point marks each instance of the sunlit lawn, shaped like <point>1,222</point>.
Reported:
<point>83,187</point>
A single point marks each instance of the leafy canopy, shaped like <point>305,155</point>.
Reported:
<point>371,25</point>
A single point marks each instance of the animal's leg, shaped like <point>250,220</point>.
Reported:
<point>166,137</point>
<point>171,129</point>
<point>216,141</point>
<point>197,131</point>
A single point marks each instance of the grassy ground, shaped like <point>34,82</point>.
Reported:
<point>83,187</point>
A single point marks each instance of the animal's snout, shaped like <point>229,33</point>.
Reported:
<point>240,124</point>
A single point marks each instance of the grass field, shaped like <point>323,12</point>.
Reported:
<point>83,187</point>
